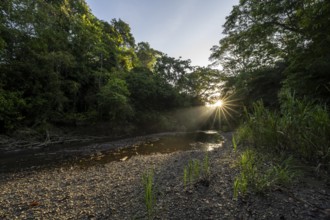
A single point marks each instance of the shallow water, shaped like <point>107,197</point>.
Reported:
<point>202,140</point>
<point>108,151</point>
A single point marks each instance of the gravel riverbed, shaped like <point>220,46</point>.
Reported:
<point>115,191</point>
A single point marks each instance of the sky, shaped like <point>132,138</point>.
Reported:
<point>186,28</point>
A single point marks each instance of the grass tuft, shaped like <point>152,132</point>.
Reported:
<point>149,195</point>
<point>233,140</point>
<point>257,177</point>
<point>300,128</point>
<point>194,170</point>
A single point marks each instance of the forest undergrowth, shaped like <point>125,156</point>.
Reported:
<point>273,143</point>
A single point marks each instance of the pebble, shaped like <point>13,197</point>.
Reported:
<point>115,191</point>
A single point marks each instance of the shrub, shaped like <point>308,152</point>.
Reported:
<point>305,128</point>
<point>256,177</point>
<point>300,127</point>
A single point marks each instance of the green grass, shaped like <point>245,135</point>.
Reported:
<point>248,172</point>
<point>195,170</point>
<point>191,172</point>
<point>254,176</point>
<point>206,166</point>
<point>240,185</point>
<point>233,140</point>
<point>185,177</point>
<point>149,195</point>
<point>299,128</point>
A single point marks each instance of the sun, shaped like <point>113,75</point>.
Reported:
<point>218,104</point>
<point>220,109</point>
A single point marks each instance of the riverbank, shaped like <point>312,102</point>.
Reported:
<point>115,191</point>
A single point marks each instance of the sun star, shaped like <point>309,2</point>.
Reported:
<point>217,104</point>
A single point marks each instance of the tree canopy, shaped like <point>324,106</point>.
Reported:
<point>283,42</point>
<point>60,64</point>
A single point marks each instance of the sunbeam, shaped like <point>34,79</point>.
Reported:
<point>220,110</point>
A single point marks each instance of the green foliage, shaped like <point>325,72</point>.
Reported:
<point>194,169</point>
<point>260,128</point>
<point>11,106</point>
<point>142,81</point>
<point>283,173</point>
<point>46,52</point>
<point>206,166</point>
<point>152,98</point>
<point>233,141</point>
<point>190,172</point>
<point>305,128</point>
<point>70,65</point>
<point>185,177</point>
<point>261,35</point>
<point>113,100</point>
<point>270,49</point>
<point>146,55</point>
<point>173,70</point>
<point>301,127</point>
<point>254,176</point>
<point>149,194</point>
<point>151,91</point>
<point>203,82</point>
<point>154,121</point>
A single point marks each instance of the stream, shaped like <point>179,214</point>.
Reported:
<point>105,151</point>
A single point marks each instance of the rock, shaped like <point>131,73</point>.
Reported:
<point>115,191</point>
<point>124,158</point>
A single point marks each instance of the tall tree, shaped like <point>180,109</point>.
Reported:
<point>173,70</point>
<point>59,62</point>
<point>204,83</point>
<point>126,44</point>
<point>147,56</point>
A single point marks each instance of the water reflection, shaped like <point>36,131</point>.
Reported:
<point>201,140</point>
<point>105,152</point>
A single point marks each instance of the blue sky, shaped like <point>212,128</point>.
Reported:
<point>187,28</point>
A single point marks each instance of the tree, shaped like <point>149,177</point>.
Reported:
<point>113,100</point>
<point>59,62</point>
<point>11,105</point>
<point>146,55</point>
<point>173,70</point>
<point>259,34</point>
<point>204,82</point>
<point>125,44</point>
